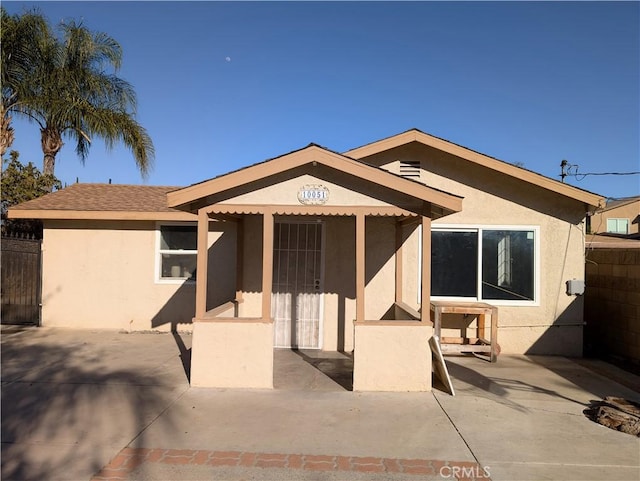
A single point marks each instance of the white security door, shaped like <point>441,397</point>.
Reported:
<point>297,285</point>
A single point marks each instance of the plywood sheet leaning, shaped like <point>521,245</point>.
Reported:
<point>439,365</point>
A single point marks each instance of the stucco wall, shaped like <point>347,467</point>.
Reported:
<point>339,273</point>
<point>286,193</point>
<point>102,275</point>
<point>555,325</point>
<point>629,211</point>
<point>232,353</point>
<point>392,356</point>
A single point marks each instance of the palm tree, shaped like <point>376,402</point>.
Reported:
<point>71,93</point>
<point>24,40</point>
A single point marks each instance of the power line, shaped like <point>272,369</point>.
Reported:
<point>571,170</point>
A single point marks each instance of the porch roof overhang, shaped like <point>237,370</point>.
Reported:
<point>212,195</point>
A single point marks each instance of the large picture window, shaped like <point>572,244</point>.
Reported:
<point>178,247</point>
<point>484,264</point>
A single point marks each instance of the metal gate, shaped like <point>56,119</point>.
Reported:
<point>21,275</point>
<point>296,305</point>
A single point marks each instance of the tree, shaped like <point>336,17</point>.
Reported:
<point>24,40</point>
<point>73,91</point>
<point>21,183</point>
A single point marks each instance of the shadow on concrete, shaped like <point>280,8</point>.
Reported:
<point>502,389</point>
<point>461,375</point>
<point>596,377</point>
<point>185,353</point>
<point>338,369</point>
<point>66,410</point>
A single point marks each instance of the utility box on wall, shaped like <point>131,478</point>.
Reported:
<point>575,287</point>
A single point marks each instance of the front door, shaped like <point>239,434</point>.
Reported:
<point>296,301</point>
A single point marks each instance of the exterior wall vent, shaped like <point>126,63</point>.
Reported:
<point>410,169</point>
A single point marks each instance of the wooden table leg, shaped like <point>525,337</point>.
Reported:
<point>481,319</point>
<point>494,334</point>
<point>437,323</point>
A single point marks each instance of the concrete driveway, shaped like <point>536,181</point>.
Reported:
<point>87,404</point>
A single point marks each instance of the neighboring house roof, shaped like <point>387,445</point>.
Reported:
<point>101,201</point>
<point>415,135</point>
<point>194,196</point>
<point>610,241</point>
<point>614,204</point>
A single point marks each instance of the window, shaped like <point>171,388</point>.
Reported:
<point>507,265</point>
<point>454,263</point>
<point>177,252</point>
<point>618,226</point>
<point>484,263</point>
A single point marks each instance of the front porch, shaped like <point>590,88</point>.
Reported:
<point>390,354</point>
<point>356,265</point>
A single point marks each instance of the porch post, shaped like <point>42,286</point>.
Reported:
<point>202,263</point>
<point>425,292</point>
<point>360,265</point>
<point>398,256</point>
<point>239,258</point>
<point>267,262</point>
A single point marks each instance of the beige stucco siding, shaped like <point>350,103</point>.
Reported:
<point>286,193</point>
<point>630,211</point>
<point>102,275</point>
<point>554,325</point>
<point>339,273</point>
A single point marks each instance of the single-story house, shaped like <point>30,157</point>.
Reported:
<point>621,217</point>
<point>323,250</point>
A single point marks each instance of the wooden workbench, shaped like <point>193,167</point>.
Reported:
<point>479,344</point>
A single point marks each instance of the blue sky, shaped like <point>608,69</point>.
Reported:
<point>222,85</point>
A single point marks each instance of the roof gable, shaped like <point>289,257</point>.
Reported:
<point>415,135</point>
<point>192,197</point>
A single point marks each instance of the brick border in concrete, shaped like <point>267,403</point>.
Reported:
<point>128,459</point>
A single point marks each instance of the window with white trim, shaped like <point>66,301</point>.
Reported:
<point>485,264</point>
<point>618,226</point>
<point>177,252</point>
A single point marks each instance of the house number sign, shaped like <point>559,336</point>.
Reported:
<point>313,194</point>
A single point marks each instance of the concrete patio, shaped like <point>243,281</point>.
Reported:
<point>83,403</point>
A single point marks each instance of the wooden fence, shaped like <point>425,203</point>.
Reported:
<point>21,275</point>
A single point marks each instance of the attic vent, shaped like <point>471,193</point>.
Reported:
<point>410,169</point>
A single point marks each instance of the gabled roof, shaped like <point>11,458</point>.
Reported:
<point>313,155</point>
<point>101,201</point>
<point>415,135</point>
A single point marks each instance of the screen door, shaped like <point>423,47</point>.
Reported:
<point>297,284</point>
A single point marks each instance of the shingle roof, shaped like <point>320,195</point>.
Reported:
<point>104,197</point>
